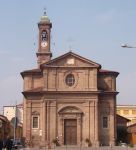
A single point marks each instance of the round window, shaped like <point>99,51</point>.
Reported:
<point>70,80</point>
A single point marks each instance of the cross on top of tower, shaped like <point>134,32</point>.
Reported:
<point>45,11</point>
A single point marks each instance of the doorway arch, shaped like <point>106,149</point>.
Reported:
<point>71,125</point>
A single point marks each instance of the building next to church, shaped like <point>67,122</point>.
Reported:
<point>14,114</point>
<point>4,127</point>
<point>69,98</point>
<point>13,111</point>
<point>122,134</point>
<point>127,111</point>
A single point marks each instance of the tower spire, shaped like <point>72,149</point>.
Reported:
<point>44,54</point>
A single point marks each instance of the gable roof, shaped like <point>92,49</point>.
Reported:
<point>70,53</point>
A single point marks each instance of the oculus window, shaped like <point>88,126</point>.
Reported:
<point>70,80</point>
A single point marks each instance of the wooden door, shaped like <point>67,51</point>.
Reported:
<point>70,131</point>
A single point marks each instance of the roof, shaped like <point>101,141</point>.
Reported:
<point>70,53</point>
<point>126,106</point>
<point>29,72</point>
<point>91,63</point>
<point>101,71</point>
<point>45,18</point>
<point>131,128</point>
<point>3,118</point>
<point>132,125</point>
<point>121,117</point>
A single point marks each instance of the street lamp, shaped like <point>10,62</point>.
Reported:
<point>127,46</point>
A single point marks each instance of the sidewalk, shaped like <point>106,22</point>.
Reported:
<point>83,148</point>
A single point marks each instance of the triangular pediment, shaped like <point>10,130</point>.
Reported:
<point>71,59</point>
<point>70,109</point>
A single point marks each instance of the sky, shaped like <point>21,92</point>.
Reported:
<point>94,29</point>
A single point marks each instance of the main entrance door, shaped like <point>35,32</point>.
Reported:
<point>70,131</point>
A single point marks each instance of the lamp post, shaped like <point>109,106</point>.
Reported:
<point>127,46</point>
<point>15,122</point>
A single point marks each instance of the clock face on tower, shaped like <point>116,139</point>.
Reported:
<point>44,43</point>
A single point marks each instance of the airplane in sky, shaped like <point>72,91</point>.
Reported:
<point>127,46</point>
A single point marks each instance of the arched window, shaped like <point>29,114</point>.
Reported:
<point>70,80</point>
<point>44,35</point>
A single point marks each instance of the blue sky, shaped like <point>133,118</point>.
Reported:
<point>94,29</point>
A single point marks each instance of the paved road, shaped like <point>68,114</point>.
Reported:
<point>83,148</point>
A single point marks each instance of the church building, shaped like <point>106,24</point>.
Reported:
<point>69,99</point>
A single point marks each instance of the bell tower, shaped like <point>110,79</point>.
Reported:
<point>44,54</point>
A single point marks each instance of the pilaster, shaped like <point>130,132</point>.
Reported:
<point>96,123</point>
<point>45,79</point>
<point>79,129</point>
<point>48,122</point>
<point>112,123</point>
<point>43,122</point>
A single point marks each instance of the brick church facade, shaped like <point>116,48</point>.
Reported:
<point>69,98</point>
